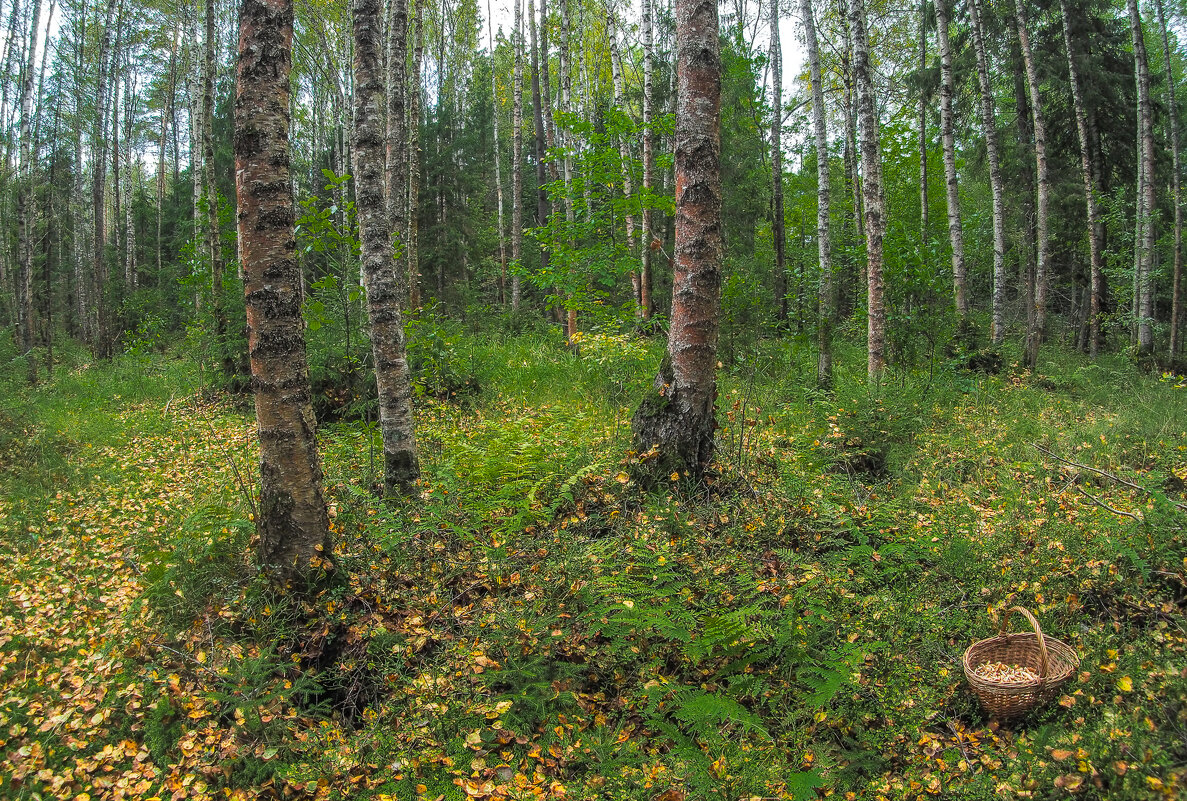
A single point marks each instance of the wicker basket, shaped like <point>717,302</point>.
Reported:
<point>1053,660</point>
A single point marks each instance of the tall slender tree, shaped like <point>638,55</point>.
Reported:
<point>494,93</point>
<point>677,419</point>
<point>948,142</point>
<point>1091,186</point>
<point>213,247</point>
<point>872,194</point>
<point>646,237</point>
<point>516,154</point>
<point>923,202</point>
<point>1172,114</point>
<point>828,293</point>
<point>1144,235</point>
<point>996,187</point>
<point>777,222</point>
<point>24,200</point>
<point>373,151</point>
<point>1037,321</point>
<point>292,520</point>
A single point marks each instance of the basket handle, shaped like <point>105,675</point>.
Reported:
<point>1034,624</point>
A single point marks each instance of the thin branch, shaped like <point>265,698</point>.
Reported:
<point>1106,507</point>
<point>1181,507</point>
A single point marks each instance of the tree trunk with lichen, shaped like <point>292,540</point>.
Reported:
<point>377,150</point>
<point>292,522</point>
<point>676,420</point>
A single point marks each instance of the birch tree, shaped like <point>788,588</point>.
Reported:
<point>948,142</point>
<point>373,149</point>
<point>292,522</point>
<point>676,420</point>
<point>1143,248</point>
<point>997,190</point>
<point>1090,183</point>
<point>827,293</point>
<point>1037,321</point>
<point>872,195</point>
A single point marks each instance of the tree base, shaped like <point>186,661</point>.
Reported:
<point>675,437</point>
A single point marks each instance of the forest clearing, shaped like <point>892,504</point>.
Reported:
<point>535,626</point>
<point>662,400</point>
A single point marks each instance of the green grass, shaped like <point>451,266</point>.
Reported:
<point>530,619</point>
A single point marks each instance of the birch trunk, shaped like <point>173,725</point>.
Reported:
<point>393,47</point>
<point>210,195</point>
<point>645,230</point>
<point>777,224</point>
<point>517,154</point>
<point>414,159</point>
<point>494,93</point>
<point>131,271</point>
<point>162,142</point>
<point>98,185</point>
<point>374,151</point>
<point>1091,188</point>
<point>677,420</point>
<point>1038,320</point>
<point>989,127</point>
<point>923,210</point>
<point>567,160</point>
<point>875,203</point>
<point>948,140</point>
<point>1172,114</point>
<point>540,134</point>
<point>624,156</point>
<point>827,294</point>
<point>292,521</point>
<point>24,200</point>
<point>1144,235</point>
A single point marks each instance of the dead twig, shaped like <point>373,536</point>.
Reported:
<point>1181,507</point>
<point>1106,507</point>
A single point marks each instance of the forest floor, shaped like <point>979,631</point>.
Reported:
<point>536,625</point>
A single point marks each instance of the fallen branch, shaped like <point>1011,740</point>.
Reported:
<point>1181,507</point>
<point>1105,506</point>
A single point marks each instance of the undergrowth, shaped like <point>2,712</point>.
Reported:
<point>530,623</point>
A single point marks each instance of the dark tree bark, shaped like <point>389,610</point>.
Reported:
<point>677,419</point>
<point>875,202</point>
<point>374,150</point>
<point>292,521</point>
